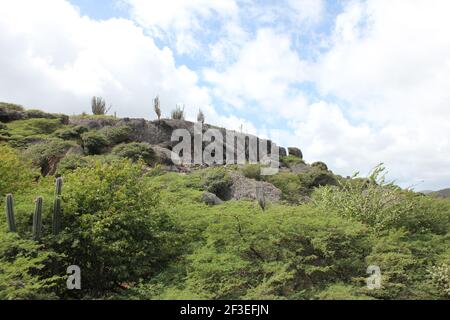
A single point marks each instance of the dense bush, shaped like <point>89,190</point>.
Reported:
<point>284,253</point>
<point>135,151</point>
<point>289,161</point>
<point>116,135</point>
<point>217,181</point>
<point>10,112</point>
<point>94,142</point>
<point>71,133</point>
<point>320,165</point>
<point>46,155</point>
<point>380,205</point>
<point>115,229</point>
<point>22,269</point>
<point>252,171</point>
<point>72,162</point>
<point>15,173</point>
<point>33,127</point>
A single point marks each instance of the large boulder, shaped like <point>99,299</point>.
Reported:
<point>211,199</point>
<point>245,188</point>
<point>283,152</point>
<point>296,152</point>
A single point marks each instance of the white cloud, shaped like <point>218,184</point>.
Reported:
<point>178,20</point>
<point>54,58</point>
<point>308,11</point>
<point>389,61</point>
<point>263,74</point>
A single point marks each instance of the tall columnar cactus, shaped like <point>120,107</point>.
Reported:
<point>37,219</point>
<point>56,220</point>
<point>10,213</point>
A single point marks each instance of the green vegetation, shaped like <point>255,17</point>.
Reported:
<point>140,232</point>
<point>135,151</point>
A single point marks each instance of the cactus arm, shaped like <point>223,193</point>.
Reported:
<point>10,213</point>
<point>37,219</point>
<point>56,219</point>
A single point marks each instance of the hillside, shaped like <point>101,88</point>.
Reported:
<point>141,226</point>
<point>445,193</point>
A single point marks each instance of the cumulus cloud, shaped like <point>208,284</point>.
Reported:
<point>54,58</point>
<point>389,64</point>
<point>178,21</point>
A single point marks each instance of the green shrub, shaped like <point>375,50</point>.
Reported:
<point>46,155</point>
<point>72,162</point>
<point>135,151</point>
<point>11,112</point>
<point>341,292</point>
<point>116,135</point>
<point>252,171</point>
<point>320,166</point>
<point>378,204</point>
<point>94,142</point>
<point>33,127</point>
<point>440,277</point>
<point>71,133</point>
<point>289,161</point>
<point>22,269</point>
<point>115,227</point>
<point>285,253</point>
<point>16,174</point>
<point>217,181</point>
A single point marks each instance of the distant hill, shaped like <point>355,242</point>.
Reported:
<point>444,194</point>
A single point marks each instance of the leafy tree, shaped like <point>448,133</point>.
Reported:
<point>115,230</point>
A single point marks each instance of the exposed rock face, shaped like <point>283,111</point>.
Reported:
<point>245,188</point>
<point>211,199</point>
<point>296,152</point>
<point>300,168</point>
<point>159,133</point>
<point>283,152</point>
<point>163,155</point>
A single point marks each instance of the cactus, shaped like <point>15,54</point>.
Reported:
<point>37,219</point>
<point>261,197</point>
<point>56,220</point>
<point>10,213</point>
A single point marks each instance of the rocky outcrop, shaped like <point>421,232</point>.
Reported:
<point>159,132</point>
<point>296,152</point>
<point>211,199</point>
<point>12,112</point>
<point>245,188</point>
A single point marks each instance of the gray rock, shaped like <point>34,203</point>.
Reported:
<point>211,199</point>
<point>283,152</point>
<point>300,168</point>
<point>296,152</point>
<point>245,188</point>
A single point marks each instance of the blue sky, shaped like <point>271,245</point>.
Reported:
<point>352,83</point>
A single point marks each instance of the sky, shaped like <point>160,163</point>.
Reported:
<point>352,83</point>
